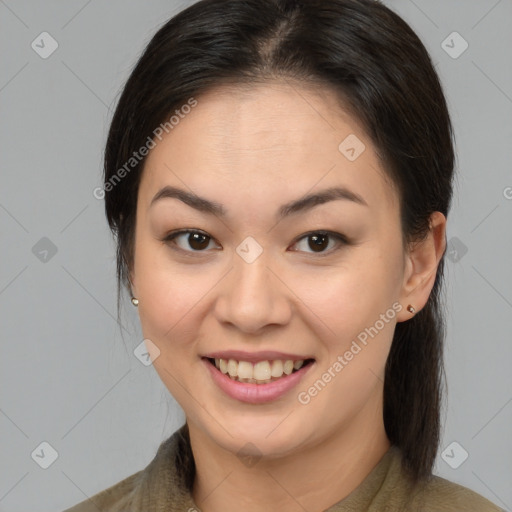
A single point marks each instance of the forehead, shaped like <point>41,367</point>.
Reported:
<point>273,139</point>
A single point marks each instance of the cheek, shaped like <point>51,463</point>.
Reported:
<point>169,309</point>
<point>167,295</point>
<point>352,296</point>
<point>356,305</point>
<point>167,303</point>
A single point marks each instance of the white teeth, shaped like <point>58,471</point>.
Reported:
<point>277,368</point>
<point>288,367</point>
<point>261,372</point>
<point>232,368</point>
<point>245,370</point>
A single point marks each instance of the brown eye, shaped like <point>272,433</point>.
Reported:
<point>190,241</point>
<point>198,241</point>
<point>318,242</point>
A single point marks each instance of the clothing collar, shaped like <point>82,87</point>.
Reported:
<point>160,488</point>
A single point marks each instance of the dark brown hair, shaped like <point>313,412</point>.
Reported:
<point>385,79</point>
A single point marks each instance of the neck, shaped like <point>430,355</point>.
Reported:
<point>313,478</point>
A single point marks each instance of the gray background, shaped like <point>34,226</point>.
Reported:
<point>68,376</point>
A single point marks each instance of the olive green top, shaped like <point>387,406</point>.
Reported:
<point>158,488</point>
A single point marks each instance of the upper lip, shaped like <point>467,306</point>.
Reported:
<point>254,357</point>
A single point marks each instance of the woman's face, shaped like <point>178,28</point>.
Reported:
<point>259,282</point>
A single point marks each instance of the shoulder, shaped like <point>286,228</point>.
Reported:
<point>443,495</point>
<point>154,487</point>
<point>116,498</point>
<point>398,492</point>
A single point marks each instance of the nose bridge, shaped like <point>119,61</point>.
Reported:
<point>252,296</point>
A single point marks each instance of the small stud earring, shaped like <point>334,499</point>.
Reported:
<point>135,301</point>
<point>411,309</point>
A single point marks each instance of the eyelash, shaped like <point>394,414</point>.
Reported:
<point>342,240</point>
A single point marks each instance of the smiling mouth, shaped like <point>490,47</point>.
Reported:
<point>262,372</point>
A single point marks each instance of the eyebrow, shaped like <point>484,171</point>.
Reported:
<point>299,205</point>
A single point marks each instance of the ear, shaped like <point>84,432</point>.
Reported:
<point>421,263</point>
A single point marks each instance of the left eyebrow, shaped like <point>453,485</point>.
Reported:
<point>324,196</point>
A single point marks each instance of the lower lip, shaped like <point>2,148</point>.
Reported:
<point>256,393</point>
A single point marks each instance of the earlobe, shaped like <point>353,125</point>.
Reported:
<point>421,267</point>
<point>133,291</point>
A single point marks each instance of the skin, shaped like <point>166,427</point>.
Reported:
<point>253,149</point>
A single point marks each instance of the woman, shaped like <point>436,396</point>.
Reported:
<point>278,175</point>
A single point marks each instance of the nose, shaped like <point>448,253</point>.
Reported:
<point>253,296</point>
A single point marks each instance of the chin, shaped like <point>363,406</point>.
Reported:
<point>269,437</point>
